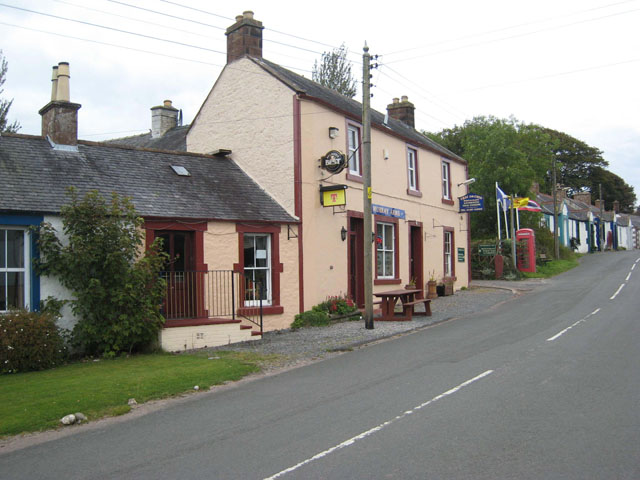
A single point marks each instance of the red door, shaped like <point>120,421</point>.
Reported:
<point>356,260</point>
<point>180,274</point>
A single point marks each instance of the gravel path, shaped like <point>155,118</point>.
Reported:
<point>294,347</point>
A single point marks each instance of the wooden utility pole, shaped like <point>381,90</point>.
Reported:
<point>366,195</point>
<point>556,242</point>
<point>601,226</point>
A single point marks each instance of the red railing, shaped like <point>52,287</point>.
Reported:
<point>219,294</point>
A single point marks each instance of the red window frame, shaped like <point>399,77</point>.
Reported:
<point>396,254</point>
<point>276,267</point>
<point>416,190</point>
<point>358,127</point>
<point>448,200</point>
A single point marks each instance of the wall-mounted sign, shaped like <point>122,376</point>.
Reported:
<point>471,202</point>
<point>486,250</point>
<point>333,162</point>
<point>387,211</point>
<point>461,254</point>
<point>333,195</point>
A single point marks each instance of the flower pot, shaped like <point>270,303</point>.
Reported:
<point>431,289</point>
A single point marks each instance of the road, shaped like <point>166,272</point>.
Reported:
<point>544,386</point>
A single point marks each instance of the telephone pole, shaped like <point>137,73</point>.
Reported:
<point>366,190</point>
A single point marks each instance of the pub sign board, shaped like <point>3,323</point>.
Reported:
<point>334,161</point>
<point>388,211</point>
<point>471,202</point>
<point>333,195</point>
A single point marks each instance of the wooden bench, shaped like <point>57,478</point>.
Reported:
<point>543,258</point>
<point>408,307</point>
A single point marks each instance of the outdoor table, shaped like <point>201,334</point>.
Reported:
<point>389,300</point>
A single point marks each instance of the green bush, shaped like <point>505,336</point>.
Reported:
<point>311,318</point>
<point>30,341</point>
<point>336,305</point>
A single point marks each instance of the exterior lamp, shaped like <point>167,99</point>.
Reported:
<point>333,132</point>
<point>343,234</point>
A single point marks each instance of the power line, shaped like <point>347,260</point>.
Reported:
<point>496,40</point>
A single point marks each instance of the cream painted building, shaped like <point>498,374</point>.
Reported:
<point>279,125</point>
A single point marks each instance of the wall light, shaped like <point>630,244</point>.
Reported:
<point>343,234</point>
<point>333,132</point>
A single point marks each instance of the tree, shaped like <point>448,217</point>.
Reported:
<point>117,291</point>
<point>5,105</point>
<point>613,188</point>
<point>334,71</point>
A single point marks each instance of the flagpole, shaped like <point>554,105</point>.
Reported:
<point>498,215</point>
<point>506,223</point>
<point>518,217</point>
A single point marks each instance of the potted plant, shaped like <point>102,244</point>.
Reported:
<point>431,285</point>
<point>411,285</point>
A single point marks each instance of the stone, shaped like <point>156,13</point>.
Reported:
<point>80,417</point>
<point>68,419</point>
<point>196,388</point>
<point>132,402</point>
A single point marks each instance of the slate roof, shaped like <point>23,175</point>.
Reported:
<point>326,95</point>
<point>34,178</point>
<point>174,140</point>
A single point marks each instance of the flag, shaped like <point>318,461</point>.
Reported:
<point>503,199</point>
<point>531,206</point>
<point>520,202</point>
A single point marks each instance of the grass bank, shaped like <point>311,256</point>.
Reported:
<point>552,268</point>
<point>36,401</point>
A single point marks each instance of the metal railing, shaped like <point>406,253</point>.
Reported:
<point>216,294</point>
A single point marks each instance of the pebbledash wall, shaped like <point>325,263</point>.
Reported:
<point>256,116</point>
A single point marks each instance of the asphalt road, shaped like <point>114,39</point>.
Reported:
<point>544,386</point>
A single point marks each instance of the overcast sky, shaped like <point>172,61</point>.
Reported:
<point>569,65</point>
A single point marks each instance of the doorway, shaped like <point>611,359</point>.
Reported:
<point>179,273</point>
<point>416,266</point>
<point>356,260</point>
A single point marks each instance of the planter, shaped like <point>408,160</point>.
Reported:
<point>409,286</point>
<point>431,289</point>
<point>448,286</point>
<point>440,290</point>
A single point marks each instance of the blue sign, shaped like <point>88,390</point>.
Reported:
<point>387,211</point>
<point>471,202</point>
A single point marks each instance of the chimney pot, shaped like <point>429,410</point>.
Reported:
<point>60,116</point>
<point>239,18</point>
<point>248,14</point>
<point>403,111</point>
<point>54,83</point>
<point>396,100</point>
<point>62,94</point>
<point>244,37</point>
<point>405,99</point>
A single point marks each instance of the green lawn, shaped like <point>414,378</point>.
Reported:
<point>38,400</point>
<point>552,268</point>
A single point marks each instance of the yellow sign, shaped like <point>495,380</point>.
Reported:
<point>334,198</point>
<point>369,193</point>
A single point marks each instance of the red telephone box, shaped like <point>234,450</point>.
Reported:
<point>526,250</point>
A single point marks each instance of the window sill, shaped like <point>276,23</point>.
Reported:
<point>387,281</point>
<point>447,201</point>
<point>354,178</point>
<point>266,310</point>
<point>414,193</point>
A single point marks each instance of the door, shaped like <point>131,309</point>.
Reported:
<point>356,260</point>
<point>415,258</point>
<point>180,274</point>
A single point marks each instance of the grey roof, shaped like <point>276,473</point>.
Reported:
<point>34,178</point>
<point>331,97</point>
<point>174,139</point>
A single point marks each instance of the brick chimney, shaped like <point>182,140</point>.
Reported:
<point>561,192</point>
<point>616,206</point>
<point>584,197</point>
<point>597,203</point>
<point>402,110</point>
<point>244,37</point>
<point>163,118</point>
<point>60,116</point>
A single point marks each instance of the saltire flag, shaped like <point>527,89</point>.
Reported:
<point>503,198</point>
<point>531,206</point>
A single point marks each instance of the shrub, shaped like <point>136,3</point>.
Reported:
<point>30,341</point>
<point>116,288</point>
<point>310,318</point>
<point>336,305</point>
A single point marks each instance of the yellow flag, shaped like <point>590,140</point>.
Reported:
<point>520,202</point>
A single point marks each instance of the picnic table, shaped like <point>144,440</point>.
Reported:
<point>408,298</point>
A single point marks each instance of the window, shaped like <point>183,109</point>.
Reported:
<point>257,268</point>
<point>353,150</point>
<point>449,269</point>
<point>385,248</point>
<point>14,272</point>
<point>446,181</point>
<point>412,169</point>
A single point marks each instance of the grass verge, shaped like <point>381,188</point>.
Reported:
<point>36,401</point>
<point>552,268</point>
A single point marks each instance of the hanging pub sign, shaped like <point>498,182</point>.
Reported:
<point>471,202</point>
<point>333,162</point>
<point>333,195</point>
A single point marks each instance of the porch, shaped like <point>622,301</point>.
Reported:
<point>210,308</point>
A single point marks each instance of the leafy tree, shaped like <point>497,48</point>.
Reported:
<point>117,291</point>
<point>334,71</point>
<point>5,105</point>
<point>613,188</point>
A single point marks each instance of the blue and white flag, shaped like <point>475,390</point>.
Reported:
<point>503,199</point>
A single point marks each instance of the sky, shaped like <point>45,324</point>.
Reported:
<point>569,65</point>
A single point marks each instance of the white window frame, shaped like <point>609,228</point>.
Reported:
<point>249,272</point>
<point>412,168</point>
<point>448,254</point>
<point>25,269</point>
<point>446,180</point>
<point>353,142</point>
<point>380,248</point>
